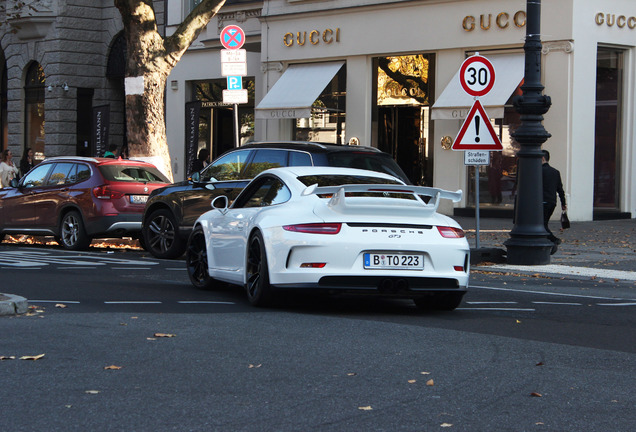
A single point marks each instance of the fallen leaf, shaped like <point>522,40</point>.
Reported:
<point>425,373</point>
<point>164,335</point>
<point>430,383</point>
<point>539,423</point>
<point>412,381</point>
<point>37,357</point>
<point>446,425</point>
<point>254,366</point>
<point>123,324</point>
<point>7,357</point>
<point>92,392</point>
<point>151,339</point>
<point>539,364</point>
<point>60,306</point>
<point>518,322</point>
<point>365,408</point>
<point>352,374</point>
<point>535,394</point>
<point>112,367</point>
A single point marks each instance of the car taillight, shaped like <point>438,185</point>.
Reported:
<point>105,192</point>
<point>315,228</point>
<point>450,232</point>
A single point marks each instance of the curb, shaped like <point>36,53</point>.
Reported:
<point>12,304</point>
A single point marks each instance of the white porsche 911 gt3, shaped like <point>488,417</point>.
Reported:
<point>333,229</point>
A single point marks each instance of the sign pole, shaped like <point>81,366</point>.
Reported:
<point>237,138</point>
<point>477,206</point>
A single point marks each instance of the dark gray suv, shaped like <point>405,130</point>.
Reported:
<point>171,211</point>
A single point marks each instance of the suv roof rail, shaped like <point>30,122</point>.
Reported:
<point>290,143</point>
<point>81,158</point>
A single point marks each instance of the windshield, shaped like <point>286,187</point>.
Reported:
<point>133,174</point>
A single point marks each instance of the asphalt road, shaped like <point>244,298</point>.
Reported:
<point>129,345</point>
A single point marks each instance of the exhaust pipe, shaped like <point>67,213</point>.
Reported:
<point>386,285</point>
<point>401,285</point>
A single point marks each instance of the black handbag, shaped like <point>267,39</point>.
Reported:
<point>565,221</point>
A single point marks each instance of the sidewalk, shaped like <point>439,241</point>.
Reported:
<point>605,248</point>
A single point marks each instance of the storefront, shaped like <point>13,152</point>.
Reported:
<point>383,74</point>
<point>401,94</point>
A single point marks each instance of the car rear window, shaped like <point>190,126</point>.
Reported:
<point>372,161</point>
<point>339,180</point>
<point>133,174</point>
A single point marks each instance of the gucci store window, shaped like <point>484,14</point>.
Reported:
<point>401,113</point>
<point>498,180</point>
<point>328,113</point>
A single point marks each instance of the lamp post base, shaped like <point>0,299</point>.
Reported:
<point>528,251</point>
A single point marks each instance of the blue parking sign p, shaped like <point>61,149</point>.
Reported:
<point>235,82</point>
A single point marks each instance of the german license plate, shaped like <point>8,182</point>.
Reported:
<point>138,199</point>
<point>395,261</point>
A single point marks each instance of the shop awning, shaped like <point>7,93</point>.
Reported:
<point>296,90</point>
<point>454,103</point>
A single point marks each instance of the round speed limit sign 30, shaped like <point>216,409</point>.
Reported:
<point>477,75</point>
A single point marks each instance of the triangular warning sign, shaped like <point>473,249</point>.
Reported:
<point>477,132</point>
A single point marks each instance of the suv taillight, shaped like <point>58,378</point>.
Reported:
<point>105,192</point>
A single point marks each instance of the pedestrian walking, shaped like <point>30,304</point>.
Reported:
<point>8,170</point>
<point>552,185</point>
<point>26,163</point>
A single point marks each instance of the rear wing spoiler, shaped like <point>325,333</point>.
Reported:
<point>339,192</point>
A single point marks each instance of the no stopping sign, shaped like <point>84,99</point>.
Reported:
<point>477,75</point>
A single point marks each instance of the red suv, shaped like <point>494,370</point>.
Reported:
<point>77,199</point>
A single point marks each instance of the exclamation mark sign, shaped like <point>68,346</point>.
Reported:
<point>477,118</point>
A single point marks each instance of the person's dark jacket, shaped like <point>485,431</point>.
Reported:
<point>25,166</point>
<point>552,185</point>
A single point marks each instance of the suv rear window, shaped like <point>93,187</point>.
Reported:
<point>132,174</point>
<point>372,161</point>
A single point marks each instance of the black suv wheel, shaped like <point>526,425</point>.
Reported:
<point>161,236</point>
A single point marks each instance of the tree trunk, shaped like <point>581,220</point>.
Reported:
<point>146,126</point>
<point>150,58</point>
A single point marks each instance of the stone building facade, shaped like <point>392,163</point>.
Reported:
<point>62,65</point>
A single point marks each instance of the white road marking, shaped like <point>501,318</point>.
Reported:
<point>34,258</point>
<point>557,303</point>
<point>552,293</point>
<point>55,301</point>
<point>132,302</point>
<point>491,302</point>
<point>616,304</point>
<point>205,302</point>
<point>567,270</point>
<point>500,309</point>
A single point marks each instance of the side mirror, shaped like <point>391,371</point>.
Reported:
<point>196,177</point>
<point>13,183</point>
<point>221,203</point>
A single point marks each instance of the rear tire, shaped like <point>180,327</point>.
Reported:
<point>197,260</point>
<point>259,292</point>
<point>72,233</point>
<point>161,236</point>
<point>439,302</point>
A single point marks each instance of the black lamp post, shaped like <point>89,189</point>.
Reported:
<point>528,243</point>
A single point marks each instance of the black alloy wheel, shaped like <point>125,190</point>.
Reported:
<point>197,260</point>
<point>439,302</point>
<point>259,292</point>
<point>161,237</point>
<point>72,233</point>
